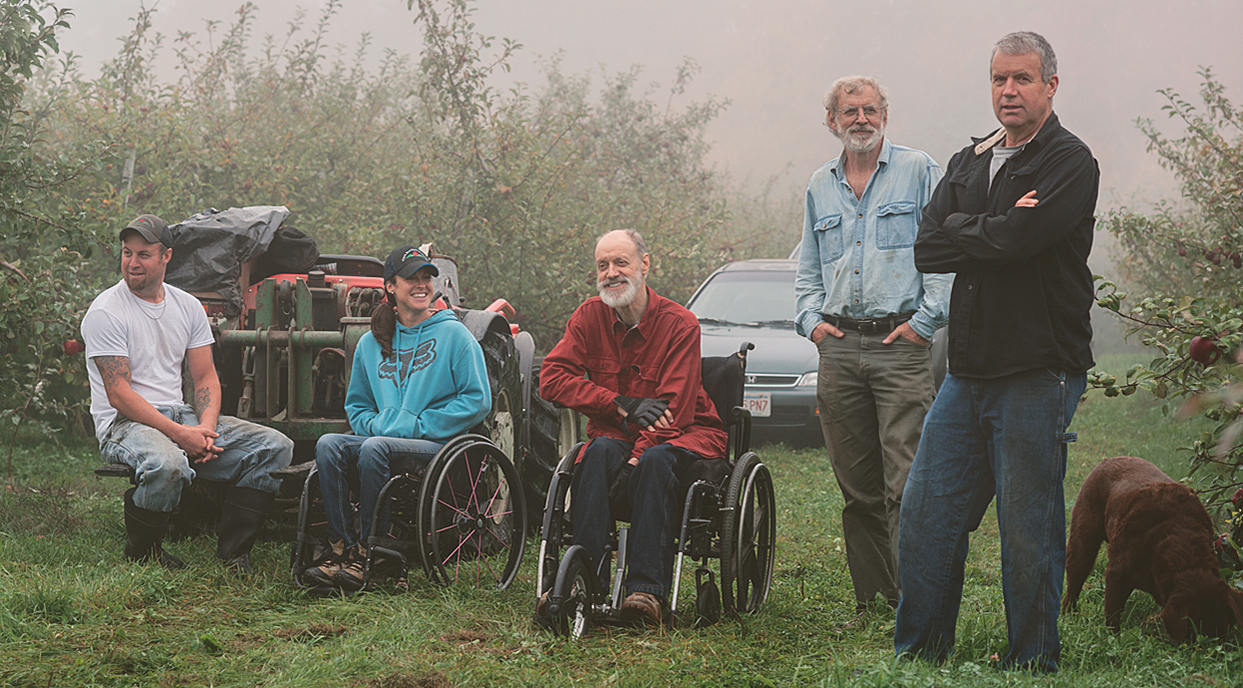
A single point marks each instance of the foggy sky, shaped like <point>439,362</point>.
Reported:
<point>774,59</point>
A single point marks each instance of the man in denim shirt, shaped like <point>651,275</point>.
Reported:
<point>871,314</point>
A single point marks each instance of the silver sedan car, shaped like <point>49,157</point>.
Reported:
<point>753,300</point>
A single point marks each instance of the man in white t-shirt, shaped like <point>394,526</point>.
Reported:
<point>138,333</point>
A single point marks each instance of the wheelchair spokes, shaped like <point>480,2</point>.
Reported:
<point>748,536</point>
<point>476,523</point>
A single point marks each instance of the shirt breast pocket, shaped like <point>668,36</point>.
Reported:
<point>829,237</point>
<point>603,372</point>
<point>896,225</point>
<point>645,381</point>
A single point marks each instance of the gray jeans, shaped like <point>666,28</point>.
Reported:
<point>162,469</point>
<point>873,398</point>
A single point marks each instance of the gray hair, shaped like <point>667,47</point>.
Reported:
<point>1022,43</point>
<point>848,85</point>
<point>639,244</point>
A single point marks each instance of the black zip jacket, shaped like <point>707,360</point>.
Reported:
<point>1023,289</point>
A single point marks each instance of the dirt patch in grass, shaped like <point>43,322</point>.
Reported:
<point>42,511</point>
<point>464,637</point>
<point>312,632</point>
<point>428,679</point>
<point>475,641</point>
<point>306,634</point>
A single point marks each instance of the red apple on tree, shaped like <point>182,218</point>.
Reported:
<point>1203,350</point>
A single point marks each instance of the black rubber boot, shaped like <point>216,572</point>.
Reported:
<point>241,518</point>
<point>143,531</point>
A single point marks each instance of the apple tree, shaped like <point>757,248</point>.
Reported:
<point>1186,261</point>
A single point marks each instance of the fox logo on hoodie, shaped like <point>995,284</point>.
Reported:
<point>404,363</point>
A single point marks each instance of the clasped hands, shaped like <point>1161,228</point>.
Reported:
<point>198,442</point>
<point>649,414</point>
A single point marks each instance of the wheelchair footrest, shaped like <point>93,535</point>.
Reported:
<point>707,598</point>
<point>115,470</point>
<point>295,472</point>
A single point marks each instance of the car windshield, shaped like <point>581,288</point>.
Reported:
<point>746,297</point>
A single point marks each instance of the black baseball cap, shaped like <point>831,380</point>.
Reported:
<point>404,261</point>
<point>151,228</point>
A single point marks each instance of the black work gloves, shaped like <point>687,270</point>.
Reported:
<point>642,412</point>
<point>619,493</point>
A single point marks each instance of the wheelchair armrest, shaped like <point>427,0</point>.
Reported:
<point>742,439</point>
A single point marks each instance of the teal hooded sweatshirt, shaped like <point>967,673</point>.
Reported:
<point>434,386</point>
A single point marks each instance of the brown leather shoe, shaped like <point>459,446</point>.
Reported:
<point>642,607</point>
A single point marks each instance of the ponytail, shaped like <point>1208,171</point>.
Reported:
<point>384,325</point>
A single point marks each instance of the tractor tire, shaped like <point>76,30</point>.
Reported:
<point>505,419</point>
<point>553,432</point>
<point>504,422</point>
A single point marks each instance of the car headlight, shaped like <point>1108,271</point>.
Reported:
<point>808,380</point>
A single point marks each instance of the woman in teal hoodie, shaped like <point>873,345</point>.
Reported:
<point>419,379</point>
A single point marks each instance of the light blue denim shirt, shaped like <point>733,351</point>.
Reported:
<point>857,258</point>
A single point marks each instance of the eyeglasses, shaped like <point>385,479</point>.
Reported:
<point>852,113</point>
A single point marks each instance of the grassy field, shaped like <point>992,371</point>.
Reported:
<point>71,614</point>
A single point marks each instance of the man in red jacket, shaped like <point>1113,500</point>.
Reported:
<point>629,361</point>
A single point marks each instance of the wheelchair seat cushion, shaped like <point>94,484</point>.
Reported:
<point>714,471</point>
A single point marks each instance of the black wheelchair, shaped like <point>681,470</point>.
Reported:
<point>728,514</point>
<point>462,517</point>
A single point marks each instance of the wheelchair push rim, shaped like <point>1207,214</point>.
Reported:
<point>748,536</point>
<point>472,517</point>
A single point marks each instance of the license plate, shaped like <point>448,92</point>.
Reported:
<point>760,404</point>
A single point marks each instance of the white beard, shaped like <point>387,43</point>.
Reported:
<point>618,299</point>
<point>853,143</point>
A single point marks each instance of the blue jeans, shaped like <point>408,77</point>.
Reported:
<point>374,457</point>
<point>1004,437</point>
<point>654,502</point>
<point>161,468</point>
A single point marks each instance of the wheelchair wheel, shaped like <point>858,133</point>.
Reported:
<point>570,606</point>
<point>748,535</point>
<point>555,521</point>
<point>308,549</point>
<point>472,516</point>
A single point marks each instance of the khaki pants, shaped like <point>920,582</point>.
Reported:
<point>872,398</point>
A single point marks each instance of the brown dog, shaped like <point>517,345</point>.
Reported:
<point>1160,541</point>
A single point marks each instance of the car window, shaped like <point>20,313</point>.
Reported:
<point>745,297</point>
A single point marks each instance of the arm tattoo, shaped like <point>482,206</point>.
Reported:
<point>113,369</point>
<point>203,399</point>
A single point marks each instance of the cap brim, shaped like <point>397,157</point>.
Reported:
<point>143,232</point>
<point>407,271</point>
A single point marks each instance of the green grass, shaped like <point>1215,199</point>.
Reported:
<point>71,614</point>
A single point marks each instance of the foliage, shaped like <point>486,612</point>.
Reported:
<point>514,185</point>
<point>1186,261</point>
<point>40,293</point>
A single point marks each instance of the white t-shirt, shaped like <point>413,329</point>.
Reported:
<point>153,336</point>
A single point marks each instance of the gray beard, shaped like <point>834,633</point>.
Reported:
<point>859,146</point>
<point>621,300</point>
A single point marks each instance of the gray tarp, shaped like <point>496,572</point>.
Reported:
<point>210,247</point>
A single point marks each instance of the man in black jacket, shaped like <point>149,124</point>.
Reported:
<point>1013,217</point>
